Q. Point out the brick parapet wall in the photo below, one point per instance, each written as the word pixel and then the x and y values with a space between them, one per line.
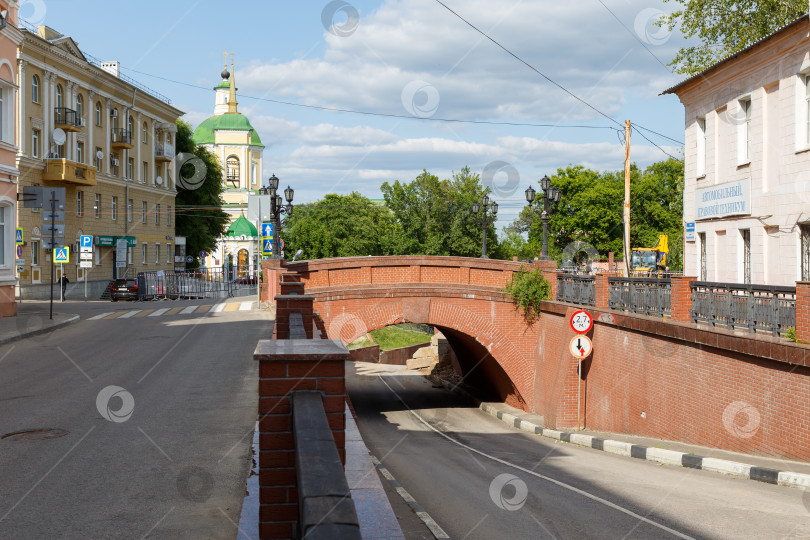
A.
pixel 803 310
pixel 602 290
pixel 681 298
pixel 284 367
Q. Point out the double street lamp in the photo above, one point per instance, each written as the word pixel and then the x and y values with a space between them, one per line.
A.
pixel 551 196
pixel 277 207
pixel 485 206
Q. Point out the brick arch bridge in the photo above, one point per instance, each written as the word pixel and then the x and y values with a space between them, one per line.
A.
pixel 461 296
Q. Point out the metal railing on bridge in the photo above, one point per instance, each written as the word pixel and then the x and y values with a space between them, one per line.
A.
pixel 198 283
pixel 769 308
pixel 646 296
pixel 576 289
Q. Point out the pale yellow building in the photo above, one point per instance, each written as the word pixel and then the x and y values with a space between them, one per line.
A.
pixel 230 136
pixel 110 142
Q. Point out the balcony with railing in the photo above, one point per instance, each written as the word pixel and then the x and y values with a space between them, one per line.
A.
pixel 121 138
pixel 65 170
pixel 67 119
pixel 164 152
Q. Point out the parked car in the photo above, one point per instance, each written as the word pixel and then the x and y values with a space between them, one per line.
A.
pixel 124 289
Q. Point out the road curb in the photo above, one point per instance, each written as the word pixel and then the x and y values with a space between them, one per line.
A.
pixel 44 330
pixel 734 469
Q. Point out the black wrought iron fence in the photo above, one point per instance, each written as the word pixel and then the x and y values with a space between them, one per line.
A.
pixel 576 289
pixel 198 283
pixel 647 296
pixel 769 308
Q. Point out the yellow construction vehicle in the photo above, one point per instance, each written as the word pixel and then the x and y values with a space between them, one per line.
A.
pixel 650 262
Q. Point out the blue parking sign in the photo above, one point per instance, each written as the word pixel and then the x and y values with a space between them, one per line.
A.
pixel 86 241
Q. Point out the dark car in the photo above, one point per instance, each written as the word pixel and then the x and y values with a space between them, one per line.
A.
pixel 124 289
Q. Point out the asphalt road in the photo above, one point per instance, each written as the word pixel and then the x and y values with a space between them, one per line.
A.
pixel 478 478
pixel 158 410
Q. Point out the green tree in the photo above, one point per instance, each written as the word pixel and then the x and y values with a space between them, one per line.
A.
pixel 341 226
pixel 200 217
pixel 436 215
pixel 725 27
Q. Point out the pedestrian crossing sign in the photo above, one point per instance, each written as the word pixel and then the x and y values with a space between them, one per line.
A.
pixel 61 255
pixel 267 246
pixel 19 237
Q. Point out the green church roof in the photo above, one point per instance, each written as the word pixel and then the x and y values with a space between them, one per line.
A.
pixel 204 134
pixel 223 84
pixel 242 227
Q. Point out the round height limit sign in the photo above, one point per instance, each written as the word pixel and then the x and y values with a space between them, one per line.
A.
pixel 581 322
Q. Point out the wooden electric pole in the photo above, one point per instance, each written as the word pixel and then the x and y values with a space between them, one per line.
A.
pixel 627 198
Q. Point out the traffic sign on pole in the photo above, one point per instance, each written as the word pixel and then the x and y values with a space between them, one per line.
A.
pixel 61 255
pixel 19 237
pixel 86 242
pixel 581 322
pixel 267 230
pixel 267 246
pixel 580 346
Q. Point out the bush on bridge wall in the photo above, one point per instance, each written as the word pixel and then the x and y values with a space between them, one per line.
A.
pixel 527 289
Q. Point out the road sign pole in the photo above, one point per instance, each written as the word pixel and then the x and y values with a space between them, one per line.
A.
pixel 579 391
pixel 85 283
pixel 61 285
pixel 53 264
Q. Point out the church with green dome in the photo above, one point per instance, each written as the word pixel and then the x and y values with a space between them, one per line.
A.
pixel 229 135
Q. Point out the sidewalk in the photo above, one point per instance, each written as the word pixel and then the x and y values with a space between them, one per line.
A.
pixel 770 470
pixel 33 318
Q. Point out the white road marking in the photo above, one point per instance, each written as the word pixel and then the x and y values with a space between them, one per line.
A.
pixel 187 310
pixel 245 306
pixel 159 312
pixel 216 308
pixel 100 316
pixel 538 475
pixel 130 314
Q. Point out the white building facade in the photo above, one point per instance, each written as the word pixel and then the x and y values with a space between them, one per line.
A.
pixel 747 163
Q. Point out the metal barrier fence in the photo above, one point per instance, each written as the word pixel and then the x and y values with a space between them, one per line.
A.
pixel 739 305
pixel 199 283
pixel 576 289
pixel 648 296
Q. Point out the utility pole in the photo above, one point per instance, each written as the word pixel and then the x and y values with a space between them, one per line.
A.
pixel 627 198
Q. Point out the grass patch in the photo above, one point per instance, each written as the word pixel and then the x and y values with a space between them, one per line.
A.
pixel 391 337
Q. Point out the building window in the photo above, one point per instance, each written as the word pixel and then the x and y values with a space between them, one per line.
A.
pixel 746 251
pixel 80 152
pixel 129 126
pixel 157 253
pixel 143 133
pixel 34 143
pixel 3 230
pixel 97 160
pixel 745 135
pixel 143 212
pixel 143 253
pixel 35 89
pixel 129 210
pixel 130 167
pixel 157 214
pixel 79 203
pixel 114 162
pixel 232 171
pixel 98 113
pixel 804 230
pixel 35 253
pixel 3 130
pixel 60 101
pixel 701 147
pixel 168 253
pixel 97 205
pixel 79 107
pixel 143 171
pixel 114 208
pixel 169 216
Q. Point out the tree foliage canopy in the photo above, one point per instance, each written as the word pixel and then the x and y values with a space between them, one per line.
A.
pixel 725 27
pixel 200 217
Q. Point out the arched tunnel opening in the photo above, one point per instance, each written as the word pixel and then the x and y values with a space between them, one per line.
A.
pixel 463 360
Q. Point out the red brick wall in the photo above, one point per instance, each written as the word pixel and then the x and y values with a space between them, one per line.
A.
pixel 803 310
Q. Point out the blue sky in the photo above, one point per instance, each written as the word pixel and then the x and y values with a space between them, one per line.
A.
pixel 408 58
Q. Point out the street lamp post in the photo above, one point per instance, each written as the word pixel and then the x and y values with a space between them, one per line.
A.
pixel 484 206
pixel 277 208
pixel 551 196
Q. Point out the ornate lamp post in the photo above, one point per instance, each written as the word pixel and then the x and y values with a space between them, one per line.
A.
pixel 485 206
pixel 551 196
pixel 277 208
